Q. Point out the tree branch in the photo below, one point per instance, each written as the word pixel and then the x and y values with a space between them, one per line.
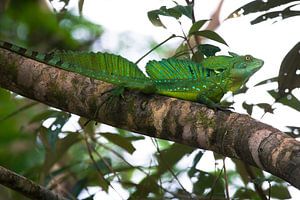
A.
pixel 230 134
pixel 26 186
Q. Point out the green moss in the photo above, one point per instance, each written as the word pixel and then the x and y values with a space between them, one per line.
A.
pixel 58 95
pixel 205 121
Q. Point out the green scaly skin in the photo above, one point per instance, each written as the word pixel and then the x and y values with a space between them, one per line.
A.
pixel 204 82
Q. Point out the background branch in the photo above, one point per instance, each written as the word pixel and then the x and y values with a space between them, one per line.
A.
pixel 26 186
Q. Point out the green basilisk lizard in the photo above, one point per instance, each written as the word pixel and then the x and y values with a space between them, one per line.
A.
pixel 204 82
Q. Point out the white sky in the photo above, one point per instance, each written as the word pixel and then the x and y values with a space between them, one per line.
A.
pixel 268 41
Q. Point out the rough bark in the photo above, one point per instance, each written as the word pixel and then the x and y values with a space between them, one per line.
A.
pixel 230 134
pixel 26 186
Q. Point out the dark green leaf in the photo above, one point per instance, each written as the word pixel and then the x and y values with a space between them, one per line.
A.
pixel 289 100
pixel 283 14
pixel 245 193
pixel 175 12
pixel 266 107
pixel 257 6
pixel 197 26
pixel 44 115
pixel 146 186
pixel 62 146
pixel 120 141
pixel 80 6
pixel 104 164
pixel 208 49
pixel 182 52
pixel 153 16
pixel 270 80
pixel 211 35
pixel 204 182
pixel 185 10
pixel 56 127
pixel 100 168
pixel 241 170
pixel 79 186
pixel 289 73
pixel 248 108
pixel 169 157
pixel 197 158
pixel 280 192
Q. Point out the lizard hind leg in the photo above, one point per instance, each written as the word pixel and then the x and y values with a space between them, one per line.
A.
pixel 211 104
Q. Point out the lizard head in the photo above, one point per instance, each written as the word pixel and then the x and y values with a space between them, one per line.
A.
pixel 242 68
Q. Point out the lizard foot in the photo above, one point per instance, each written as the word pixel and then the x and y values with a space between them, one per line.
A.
pixel 113 96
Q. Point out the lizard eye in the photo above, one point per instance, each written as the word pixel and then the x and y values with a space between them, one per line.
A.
pixel 248 57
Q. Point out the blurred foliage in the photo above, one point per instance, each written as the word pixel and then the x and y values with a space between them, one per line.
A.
pixel 37 141
pixel 44 30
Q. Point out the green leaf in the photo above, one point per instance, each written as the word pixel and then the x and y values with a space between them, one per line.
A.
pixel 193 169
pixel 280 192
pixel 79 186
pixel 289 100
pixel 56 128
pixel 62 146
pixel 175 12
pixel 210 35
pixel 100 168
pixel 245 193
pixel 197 57
pixel 120 141
pixel 197 158
pixel 146 186
pixel 153 16
pixel 196 26
pixel 169 157
pixel 282 14
pixel 182 52
pixel 266 107
pixel 289 73
pixel 41 117
pixel 208 49
pixel 80 6
pixel 258 6
pixel 270 80
pixel 248 108
pixel 185 10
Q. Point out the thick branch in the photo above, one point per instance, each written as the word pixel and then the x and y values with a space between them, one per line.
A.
pixel 26 186
pixel 231 134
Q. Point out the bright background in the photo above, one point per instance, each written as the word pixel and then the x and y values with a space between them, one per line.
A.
pixel 126 23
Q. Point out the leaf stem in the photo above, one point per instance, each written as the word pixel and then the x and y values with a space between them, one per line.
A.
pixel 166 40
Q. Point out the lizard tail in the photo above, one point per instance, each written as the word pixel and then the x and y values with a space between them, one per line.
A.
pixel 102 66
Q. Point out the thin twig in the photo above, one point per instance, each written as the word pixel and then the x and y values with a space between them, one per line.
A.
pixel 166 40
pixel 215 182
pixel 154 140
pixel 104 161
pixel 101 175
pixel 226 180
pixel 187 40
pixel 136 167
pixel 18 111
pixel 257 187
